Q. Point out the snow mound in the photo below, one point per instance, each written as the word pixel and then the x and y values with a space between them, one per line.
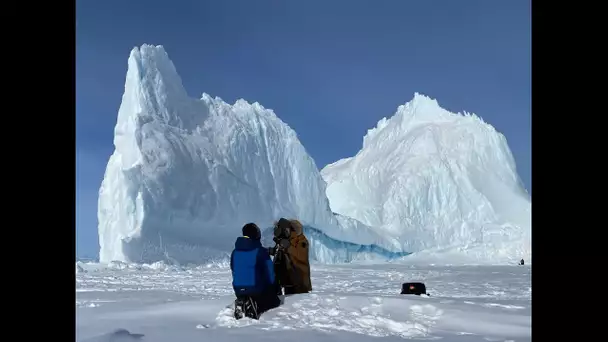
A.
pixel 367 316
pixel 436 182
pixel 186 174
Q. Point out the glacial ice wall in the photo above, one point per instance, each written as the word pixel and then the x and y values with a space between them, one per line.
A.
pixel 186 173
pixel 436 181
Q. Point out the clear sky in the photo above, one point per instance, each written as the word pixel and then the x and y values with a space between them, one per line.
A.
pixel 329 69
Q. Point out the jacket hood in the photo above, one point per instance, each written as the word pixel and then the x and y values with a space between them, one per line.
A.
pixel 296 226
pixel 244 243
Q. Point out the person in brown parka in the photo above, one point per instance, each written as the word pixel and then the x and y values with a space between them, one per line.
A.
pixel 293 270
pixel 299 253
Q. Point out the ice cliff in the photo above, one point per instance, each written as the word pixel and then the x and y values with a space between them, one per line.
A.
pixel 186 174
pixel 437 182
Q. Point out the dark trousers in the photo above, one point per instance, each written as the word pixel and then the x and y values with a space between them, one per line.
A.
pixel 289 290
pixel 266 300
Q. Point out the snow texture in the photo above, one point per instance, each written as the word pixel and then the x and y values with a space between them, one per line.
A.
pixel 439 183
pixel 355 302
pixel 187 174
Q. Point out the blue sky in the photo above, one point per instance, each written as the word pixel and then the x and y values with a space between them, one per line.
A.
pixel 340 64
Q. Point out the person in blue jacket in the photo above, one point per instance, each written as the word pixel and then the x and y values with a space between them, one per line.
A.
pixel 253 278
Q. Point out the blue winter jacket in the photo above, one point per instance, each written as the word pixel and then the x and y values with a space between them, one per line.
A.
pixel 251 266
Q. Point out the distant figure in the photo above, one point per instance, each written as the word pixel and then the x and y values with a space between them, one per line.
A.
pixel 521 262
pixel 252 275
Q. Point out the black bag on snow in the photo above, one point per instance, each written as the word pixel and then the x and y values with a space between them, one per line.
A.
pixel 413 288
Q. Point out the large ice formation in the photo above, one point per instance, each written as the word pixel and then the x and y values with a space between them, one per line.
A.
pixel 186 174
pixel 436 181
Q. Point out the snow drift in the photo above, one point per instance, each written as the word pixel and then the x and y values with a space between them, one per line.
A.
pixel 436 182
pixel 186 174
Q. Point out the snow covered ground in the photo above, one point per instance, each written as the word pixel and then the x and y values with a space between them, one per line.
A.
pixel 354 302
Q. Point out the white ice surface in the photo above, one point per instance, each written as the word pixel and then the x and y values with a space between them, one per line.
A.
pixel 187 174
pixel 436 181
pixel 348 303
